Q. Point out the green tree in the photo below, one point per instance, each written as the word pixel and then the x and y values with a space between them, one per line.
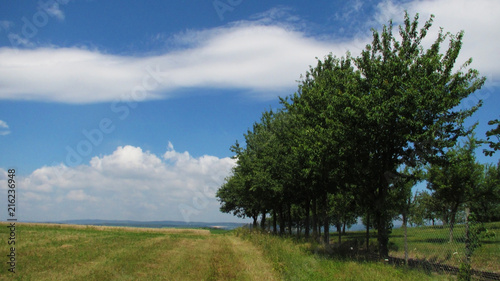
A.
pixel 456 181
pixel 495 132
pixel 343 211
pixel 323 111
pixel 424 209
pixel 411 97
pixel 486 201
pixel 353 124
pixel 236 195
pixel 236 199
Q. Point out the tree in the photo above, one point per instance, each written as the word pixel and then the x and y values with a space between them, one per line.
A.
pixel 425 209
pixel 343 211
pixel 236 199
pixel 456 181
pixel 410 97
pixel 403 190
pixel 235 195
pixel 321 141
pixel 485 204
pixel 493 133
pixel 354 123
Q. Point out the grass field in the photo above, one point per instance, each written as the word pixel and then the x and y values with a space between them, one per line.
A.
pixel 61 252
pixel 305 261
pixel 56 252
pixel 432 243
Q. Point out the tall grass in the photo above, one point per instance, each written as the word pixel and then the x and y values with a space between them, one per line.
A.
pixel 303 261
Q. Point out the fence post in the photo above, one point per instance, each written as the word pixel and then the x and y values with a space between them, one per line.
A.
pixel 465 268
pixel 405 226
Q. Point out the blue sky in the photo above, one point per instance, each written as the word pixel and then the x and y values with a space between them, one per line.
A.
pixel 127 109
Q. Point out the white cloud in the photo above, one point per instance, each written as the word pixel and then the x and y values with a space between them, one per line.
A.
pixel 263 57
pixel 3 124
pixel 479 19
pixel 79 195
pixel 4 128
pixel 128 184
pixel 255 58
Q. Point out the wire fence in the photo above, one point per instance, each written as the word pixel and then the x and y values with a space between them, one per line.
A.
pixel 467 249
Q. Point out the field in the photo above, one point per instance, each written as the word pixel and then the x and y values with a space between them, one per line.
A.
pixel 61 252
pixel 56 252
pixel 432 244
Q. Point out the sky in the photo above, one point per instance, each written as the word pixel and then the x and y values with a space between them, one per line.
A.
pixel 127 109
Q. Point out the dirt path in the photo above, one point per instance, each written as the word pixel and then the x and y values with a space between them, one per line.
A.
pixel 235 259
pixel 251 262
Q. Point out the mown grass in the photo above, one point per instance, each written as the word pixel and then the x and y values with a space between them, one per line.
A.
pixel 60 252
pixel 295 260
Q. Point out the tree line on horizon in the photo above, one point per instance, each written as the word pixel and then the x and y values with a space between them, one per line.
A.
pixel 359 133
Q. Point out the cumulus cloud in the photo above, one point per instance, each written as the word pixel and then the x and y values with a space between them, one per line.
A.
pixel 4 128
pixel 79 195
pixel 127 184
pixel 478 19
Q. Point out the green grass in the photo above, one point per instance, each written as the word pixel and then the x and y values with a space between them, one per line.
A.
pixel 57 252
pixel 432 243
pixel 303 261
pixel 60 252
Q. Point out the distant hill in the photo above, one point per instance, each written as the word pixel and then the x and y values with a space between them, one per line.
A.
pixel 153 224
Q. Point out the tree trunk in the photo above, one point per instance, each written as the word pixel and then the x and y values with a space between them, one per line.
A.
pixel 254 217
pixel 314 220
pixel 382 234
pixel 339 230
pixel 343 228
pixel 326 222
pixel 367 231
pixel 452 221
pixel 468 250
pixel 263 220
pixel 275 220
pixel 306 223
pixel 405 229
pixel 382 220
pixel 282 221
pixel 289 219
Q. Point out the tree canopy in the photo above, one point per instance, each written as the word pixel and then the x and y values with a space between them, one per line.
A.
pixel 342 140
